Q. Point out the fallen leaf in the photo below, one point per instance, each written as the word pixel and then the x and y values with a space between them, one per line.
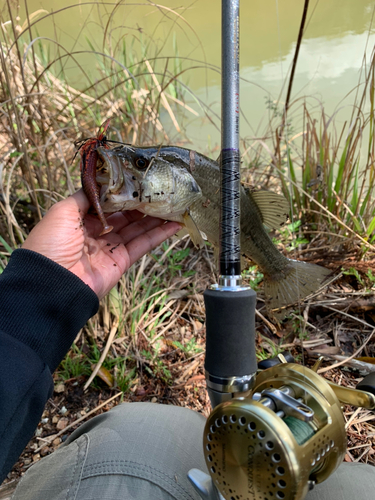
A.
pixel 106 376
pixel 197 324
pixel 59 388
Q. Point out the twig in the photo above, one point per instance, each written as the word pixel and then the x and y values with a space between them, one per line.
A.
pixel 369 417
pixel 350 316
pixel 361 366
pixel 307 344
pixel 359 446
pixel 355 354
pixel 187 371
pixel 356 304
pixel 198 355
pixel 350 421
pixel 364 453
pixel 111 336
pixel 295 58
pixel 270 325
pixel 170 323
pixel 153 320
pixel 188 108
pixel 163 98
pixel 79 420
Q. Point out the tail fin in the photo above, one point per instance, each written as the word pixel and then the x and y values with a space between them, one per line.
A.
pixel 298 280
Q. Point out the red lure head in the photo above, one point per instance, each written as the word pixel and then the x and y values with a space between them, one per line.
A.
pixel 102 130
pixel 86 145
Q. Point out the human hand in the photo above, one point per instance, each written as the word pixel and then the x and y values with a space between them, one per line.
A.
pixel 70 237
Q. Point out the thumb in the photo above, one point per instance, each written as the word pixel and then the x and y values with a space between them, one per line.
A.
pixel 80 200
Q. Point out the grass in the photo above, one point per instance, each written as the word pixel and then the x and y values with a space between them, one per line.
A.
pixel 327 173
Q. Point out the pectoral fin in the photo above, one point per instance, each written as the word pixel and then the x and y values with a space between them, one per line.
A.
pixel 194 232
pixel 273 208
pixel 181 233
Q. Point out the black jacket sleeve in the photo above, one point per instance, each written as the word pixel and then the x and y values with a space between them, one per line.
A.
pixel 42 308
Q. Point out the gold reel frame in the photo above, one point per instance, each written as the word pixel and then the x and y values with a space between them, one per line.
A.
pixel 252 453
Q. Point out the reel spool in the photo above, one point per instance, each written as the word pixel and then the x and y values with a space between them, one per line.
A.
pixel 281 439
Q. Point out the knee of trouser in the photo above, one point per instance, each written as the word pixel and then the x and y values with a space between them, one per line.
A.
pixel 139 443
pixel 127 418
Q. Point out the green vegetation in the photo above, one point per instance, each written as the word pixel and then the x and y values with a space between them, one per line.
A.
pixel 253 277
pixel 190 348
pixel 291 235
pixel 365 281
pixel 326 172
pixel 74 365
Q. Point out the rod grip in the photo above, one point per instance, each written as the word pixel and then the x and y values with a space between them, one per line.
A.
pixel 230 332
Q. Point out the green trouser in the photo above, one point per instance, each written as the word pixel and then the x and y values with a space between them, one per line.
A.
pixel 143 451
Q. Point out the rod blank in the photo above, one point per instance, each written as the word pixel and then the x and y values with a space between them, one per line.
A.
pixel 230 254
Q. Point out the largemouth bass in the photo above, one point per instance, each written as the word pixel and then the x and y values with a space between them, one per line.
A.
pixel 178 184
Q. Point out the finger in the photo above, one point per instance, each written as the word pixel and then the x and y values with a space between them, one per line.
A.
pixel 114 240
pixel 80 200
pixel 139 228
pixel 77 202
pixel 144 243
pixel 118 220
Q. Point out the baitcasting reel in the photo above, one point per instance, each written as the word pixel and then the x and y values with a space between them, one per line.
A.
pixel 286 435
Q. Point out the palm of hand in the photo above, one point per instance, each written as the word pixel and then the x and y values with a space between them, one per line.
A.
pixel 69 237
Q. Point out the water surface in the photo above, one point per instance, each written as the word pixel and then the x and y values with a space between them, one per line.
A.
pixel 337 37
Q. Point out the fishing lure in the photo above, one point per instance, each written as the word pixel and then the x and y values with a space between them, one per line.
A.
pixel 89 158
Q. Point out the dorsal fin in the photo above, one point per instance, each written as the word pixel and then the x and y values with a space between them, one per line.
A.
pixel 273 208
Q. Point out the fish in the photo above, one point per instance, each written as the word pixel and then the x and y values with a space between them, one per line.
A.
pixel 182 185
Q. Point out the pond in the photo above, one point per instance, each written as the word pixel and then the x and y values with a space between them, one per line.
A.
pixel 337 37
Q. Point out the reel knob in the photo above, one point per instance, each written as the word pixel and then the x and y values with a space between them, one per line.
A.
pixel 279 441
pixel 368 384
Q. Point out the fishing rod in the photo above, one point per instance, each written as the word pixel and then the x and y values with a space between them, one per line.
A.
pixel 230 362
pixel 272 434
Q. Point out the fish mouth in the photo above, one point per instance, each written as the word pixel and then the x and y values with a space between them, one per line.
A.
pixel 111 171
pixel 119 189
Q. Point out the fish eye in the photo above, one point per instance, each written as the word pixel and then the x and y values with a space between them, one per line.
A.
pixel 141 163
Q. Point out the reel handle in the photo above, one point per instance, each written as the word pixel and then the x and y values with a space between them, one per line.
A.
pixel 368 384
pixel 354 397
pixel 364 397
